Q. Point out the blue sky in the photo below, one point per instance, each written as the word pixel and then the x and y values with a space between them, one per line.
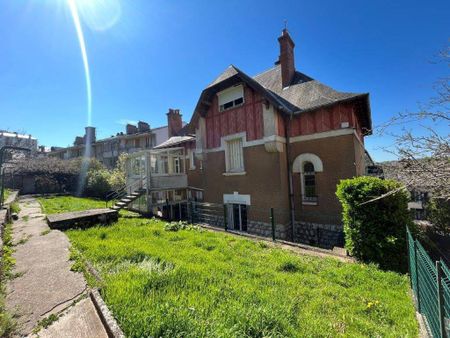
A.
pixel 162 53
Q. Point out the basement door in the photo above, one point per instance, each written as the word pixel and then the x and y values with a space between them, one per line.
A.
pixel 237 216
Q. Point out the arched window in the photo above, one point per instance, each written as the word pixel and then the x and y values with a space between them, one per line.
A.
pixel 307 165
pixel 309 183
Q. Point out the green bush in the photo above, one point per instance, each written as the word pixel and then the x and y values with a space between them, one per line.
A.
pixel 98 183
pixel 375 231
pixel 439 215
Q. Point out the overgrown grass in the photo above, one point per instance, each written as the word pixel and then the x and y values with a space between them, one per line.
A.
pixel 7 324
pixel 196 283
pixel 6 194
pixel 60 204
pixel 15 208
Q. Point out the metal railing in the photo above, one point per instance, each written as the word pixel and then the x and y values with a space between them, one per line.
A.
pixel 430 282
pixel 124 190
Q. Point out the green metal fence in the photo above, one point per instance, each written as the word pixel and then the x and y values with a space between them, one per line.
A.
pixel 430 282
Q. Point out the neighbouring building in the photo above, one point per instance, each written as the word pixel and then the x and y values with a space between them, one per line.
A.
pixel 419 194
pixel 135 138
pixel 280 140
pixel 26 141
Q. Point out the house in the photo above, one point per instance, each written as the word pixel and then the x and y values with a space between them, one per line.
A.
pixel 15 139
pixel 136 138
pixel 280 140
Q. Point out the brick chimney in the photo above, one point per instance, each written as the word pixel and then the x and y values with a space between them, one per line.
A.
pixel 79 140
pixel 143 126
pixel 131 129
pixel 286 59
pixel 174 122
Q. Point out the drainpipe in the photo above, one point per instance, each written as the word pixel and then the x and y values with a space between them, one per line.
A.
pixel 287 130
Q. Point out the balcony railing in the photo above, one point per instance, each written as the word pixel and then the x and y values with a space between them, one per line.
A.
pixel 173 181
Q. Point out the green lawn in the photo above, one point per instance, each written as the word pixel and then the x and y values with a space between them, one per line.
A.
pixel 196 283
pixel 60 204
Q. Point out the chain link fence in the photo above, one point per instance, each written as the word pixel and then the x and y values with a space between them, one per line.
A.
pixel 430 282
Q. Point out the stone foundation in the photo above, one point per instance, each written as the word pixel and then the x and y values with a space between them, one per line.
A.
pixel 213 220
pixel 322 235
pixel 265 229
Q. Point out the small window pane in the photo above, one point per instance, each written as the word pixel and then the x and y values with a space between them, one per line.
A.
pixel 239 101
pixel 308 167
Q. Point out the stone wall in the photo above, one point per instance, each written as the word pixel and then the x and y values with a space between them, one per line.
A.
pixel 322 235
pixel 210 219
pixel 265 229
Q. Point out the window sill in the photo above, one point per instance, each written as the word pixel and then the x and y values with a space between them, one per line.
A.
pixel 193 168
pixel 240 173
pixel 309 203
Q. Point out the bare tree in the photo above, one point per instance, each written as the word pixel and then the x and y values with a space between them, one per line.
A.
pixel 424 152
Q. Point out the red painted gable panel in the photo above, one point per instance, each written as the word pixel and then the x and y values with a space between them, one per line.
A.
pixel 250 122
pixel 323 120
pixel 247 118
pixel 259 128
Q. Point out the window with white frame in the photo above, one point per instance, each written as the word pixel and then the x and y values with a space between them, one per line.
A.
pixel 231 97
pixel 177 165
pixel 309 183
pixel 234 155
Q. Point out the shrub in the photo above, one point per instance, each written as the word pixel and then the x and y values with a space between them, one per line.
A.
pixel 375 231
pixel 118 176
pixel 180 225
pixel 98 183
pixel 439 215
pixel 116 179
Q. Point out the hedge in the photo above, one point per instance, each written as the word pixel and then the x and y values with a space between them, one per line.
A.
pixel 375 229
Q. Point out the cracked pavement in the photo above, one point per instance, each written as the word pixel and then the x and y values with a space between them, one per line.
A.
pixel 43 283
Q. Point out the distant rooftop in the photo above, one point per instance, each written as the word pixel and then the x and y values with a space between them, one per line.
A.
pixel 13 134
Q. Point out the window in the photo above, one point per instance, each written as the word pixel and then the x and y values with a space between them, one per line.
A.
pixel 177 165
pixel 191 159
pixel 148 142
pixel 231 97
pixel 309 183
pixel 199 196
pixel 164 165
pixel 234 156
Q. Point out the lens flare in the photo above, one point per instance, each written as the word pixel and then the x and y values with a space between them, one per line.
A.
pixel 99 15
pixel 79 29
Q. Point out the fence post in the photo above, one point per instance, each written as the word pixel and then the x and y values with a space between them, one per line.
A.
pixel 272 221
pixel 169 214
pixel 440 295
pixel 225 217
pixel 409 258
pixel 417 278
pixel 189 211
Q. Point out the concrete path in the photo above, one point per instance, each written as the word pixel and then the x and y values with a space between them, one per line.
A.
pixel 44 284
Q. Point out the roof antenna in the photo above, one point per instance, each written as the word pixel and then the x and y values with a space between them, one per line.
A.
pixel 285 24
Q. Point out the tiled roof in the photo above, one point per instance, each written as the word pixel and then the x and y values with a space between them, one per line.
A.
pixel 304 92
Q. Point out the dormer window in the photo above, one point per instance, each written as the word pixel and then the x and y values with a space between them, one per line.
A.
pixel 231 97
